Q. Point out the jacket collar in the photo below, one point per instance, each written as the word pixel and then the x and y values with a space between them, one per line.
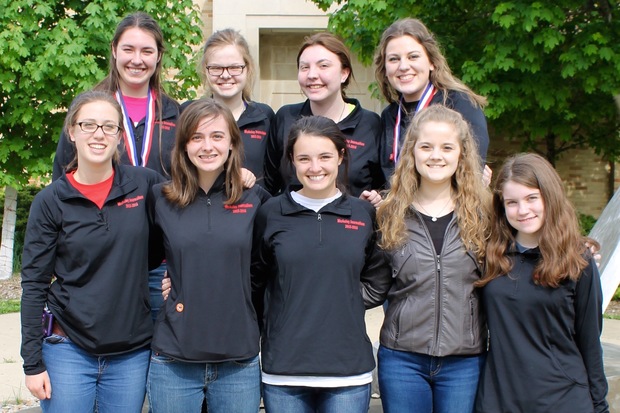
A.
pixel 341 206
pixel 350 122
pixel 122 184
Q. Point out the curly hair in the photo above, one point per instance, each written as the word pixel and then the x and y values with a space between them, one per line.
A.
pixel 441 77
pixel 472 200
pixel 561 244
pixel 184 186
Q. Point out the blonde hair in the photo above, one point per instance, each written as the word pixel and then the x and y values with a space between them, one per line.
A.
pixel 472 200
pixel 222 38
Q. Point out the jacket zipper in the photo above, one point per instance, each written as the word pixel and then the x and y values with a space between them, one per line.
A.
pixel 320 220
pixel 437 301
pixel 471 320
pixel 209 214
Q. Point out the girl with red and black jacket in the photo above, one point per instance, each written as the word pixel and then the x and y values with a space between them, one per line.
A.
pixel 86 259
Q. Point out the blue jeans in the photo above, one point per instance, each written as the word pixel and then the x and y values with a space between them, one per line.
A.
pixel 156 299
pixel 413 382
pixel 301 399
pixel 80 381
pixel 176 386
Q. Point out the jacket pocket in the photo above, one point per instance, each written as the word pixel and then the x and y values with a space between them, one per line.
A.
pixel 474 322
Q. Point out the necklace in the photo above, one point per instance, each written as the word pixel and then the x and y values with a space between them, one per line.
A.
pixel 434 217
pixel 344 106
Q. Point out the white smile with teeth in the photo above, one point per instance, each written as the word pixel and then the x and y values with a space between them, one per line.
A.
pixel 97 146
pixel 135 71
pixel 316 177
pixel 405 78
pixel 315 86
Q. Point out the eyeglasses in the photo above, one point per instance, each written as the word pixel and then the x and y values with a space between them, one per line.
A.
pixel 234 70
pixel 108 128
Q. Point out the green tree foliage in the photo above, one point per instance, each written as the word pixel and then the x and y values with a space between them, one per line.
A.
pixel 549 69
pixel 51 51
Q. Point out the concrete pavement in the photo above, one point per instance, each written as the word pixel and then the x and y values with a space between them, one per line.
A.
pixel 12 386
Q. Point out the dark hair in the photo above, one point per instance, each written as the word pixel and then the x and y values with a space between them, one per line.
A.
pixel 228 37
pixel 111 83
pixel 334 45
pixel 441 77
pixel 322 127
pixel 72 114
pixel 184 186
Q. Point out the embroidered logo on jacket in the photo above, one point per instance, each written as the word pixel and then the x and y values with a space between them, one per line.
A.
pixel 164 125
pixel 351 144
pixel 351 224
pixel 239 208
pixel 130 202
pixel 255 134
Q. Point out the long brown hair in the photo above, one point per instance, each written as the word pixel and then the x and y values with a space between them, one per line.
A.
pixel 111 83
pixel 441 77
pixel 184 186
pixel 228 37
pixel 561 244
pixel 332 43
pixel 472 201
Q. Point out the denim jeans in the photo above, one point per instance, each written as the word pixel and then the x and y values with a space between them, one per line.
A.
pixel 413 382
pixel 80 381
pixel 155 297
pixel 301 399
pixel 176 386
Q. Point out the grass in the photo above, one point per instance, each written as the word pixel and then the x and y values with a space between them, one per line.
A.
pixel 612 316
pixel 9 306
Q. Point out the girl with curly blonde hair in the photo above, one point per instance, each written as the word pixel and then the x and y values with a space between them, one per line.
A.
pixel 434 224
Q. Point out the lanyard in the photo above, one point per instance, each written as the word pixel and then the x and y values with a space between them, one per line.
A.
pixel 149 126
pixel 425 100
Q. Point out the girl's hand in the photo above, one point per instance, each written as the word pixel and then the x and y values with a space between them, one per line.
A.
pixel 166 285
pixel 249 179
pixel 39 385
pixel 373 197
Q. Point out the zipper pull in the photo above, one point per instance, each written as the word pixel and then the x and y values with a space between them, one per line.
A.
pixel 318 217
pixel 438 262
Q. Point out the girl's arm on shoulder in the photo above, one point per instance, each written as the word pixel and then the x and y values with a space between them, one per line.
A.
pixel 588 327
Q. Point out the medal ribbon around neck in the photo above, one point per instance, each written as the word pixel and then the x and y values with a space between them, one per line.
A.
pixel 424 101
pixel 149 126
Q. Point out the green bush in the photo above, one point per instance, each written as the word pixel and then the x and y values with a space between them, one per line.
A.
pixel 586 222
pixel 24 200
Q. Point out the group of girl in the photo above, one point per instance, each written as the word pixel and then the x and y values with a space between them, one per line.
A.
pixel 291 275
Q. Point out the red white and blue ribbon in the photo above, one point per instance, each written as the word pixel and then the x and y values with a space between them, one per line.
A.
pixel 424 101
pixel 149 126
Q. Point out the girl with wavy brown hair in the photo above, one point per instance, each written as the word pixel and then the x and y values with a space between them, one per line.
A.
pixel 543 300
pixel 412 73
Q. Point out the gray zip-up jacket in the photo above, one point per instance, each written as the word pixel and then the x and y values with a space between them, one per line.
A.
pixel 433 306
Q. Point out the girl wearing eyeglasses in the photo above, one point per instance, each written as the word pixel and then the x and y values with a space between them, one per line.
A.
pixel 228 71
pixel 88 232
pixel 149 114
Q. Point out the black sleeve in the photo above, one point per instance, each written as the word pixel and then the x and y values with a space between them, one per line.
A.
pixel 262 264
pixel 38 262
pixel 376 171
pixel 478 122
pixel 376 277
pixel 64 155
pixel 588 328
pixel 273 156
pixel 156 238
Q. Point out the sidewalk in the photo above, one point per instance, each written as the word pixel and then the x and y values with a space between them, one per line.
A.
pixel 12 386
